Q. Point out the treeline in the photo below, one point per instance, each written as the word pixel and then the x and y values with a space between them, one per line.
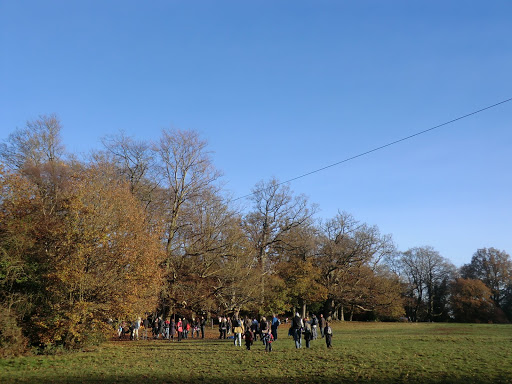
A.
pixel 145 227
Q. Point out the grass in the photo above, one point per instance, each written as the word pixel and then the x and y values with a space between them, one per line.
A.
pixel 362 352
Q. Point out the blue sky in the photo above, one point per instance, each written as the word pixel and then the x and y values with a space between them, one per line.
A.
pixel 281 88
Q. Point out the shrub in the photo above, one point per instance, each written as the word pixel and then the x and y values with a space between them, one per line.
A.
pixel 12 341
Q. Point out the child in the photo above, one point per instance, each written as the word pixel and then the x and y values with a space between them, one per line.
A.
pixel 328 335
pixel 268 338
pixel 308 334
pixel 248 338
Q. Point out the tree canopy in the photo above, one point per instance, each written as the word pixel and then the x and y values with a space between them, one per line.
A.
pixel 143 228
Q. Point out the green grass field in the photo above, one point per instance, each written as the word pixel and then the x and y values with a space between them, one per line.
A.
pixel 362 352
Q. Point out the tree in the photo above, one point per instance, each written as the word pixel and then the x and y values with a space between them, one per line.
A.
pixel 425 271
pixel 298 268
pixel 471 302
pixel 89 259
pixel 188 177
pixel 37 144
pixel 350 253
pixel 494 268
pixel 135 161
pixel 275 213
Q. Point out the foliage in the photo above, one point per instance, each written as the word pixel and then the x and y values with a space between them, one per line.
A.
pixel 494 268
pixel 12 341
pixel 145 228
pixel 471 303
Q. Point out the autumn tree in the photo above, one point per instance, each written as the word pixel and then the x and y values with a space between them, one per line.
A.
pixel 73 245
pixel 350 253
pixel 471 302
pixel 494 268
pixel 90 260
pixel 298 269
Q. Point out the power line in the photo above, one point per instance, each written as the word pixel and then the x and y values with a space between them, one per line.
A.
pixel 383 146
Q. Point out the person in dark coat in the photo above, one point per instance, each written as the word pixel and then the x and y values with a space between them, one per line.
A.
pixel 308 334
pixel 297 326
pixel 248 335
pixel 202 324
pixel 322 325
pixel 328 335
pixel 274 325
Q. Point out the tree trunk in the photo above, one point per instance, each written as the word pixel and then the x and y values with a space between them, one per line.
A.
pixel 329 308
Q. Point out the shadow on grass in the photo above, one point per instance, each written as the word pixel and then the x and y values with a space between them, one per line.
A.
pixel 238 378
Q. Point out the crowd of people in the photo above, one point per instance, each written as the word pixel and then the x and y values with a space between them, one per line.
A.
pixel 235 328
pixel 308 328
pixel 169 328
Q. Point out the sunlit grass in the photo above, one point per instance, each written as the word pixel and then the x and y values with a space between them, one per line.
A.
pixel 364 352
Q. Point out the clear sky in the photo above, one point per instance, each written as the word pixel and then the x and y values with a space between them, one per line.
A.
pixel 282 88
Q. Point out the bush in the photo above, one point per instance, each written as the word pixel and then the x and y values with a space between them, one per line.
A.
pixel 12 341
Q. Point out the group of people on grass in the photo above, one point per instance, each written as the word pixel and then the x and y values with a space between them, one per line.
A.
pixel 166 329
pixel 246 329
pixel 308 328
pixel 249 330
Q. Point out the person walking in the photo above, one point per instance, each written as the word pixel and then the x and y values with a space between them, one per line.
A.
pixel 297 326
pixel 268 340
pixel 167 325
pixel 322 325
pixel 155 328
pixel 186 327
pixel 136 327
pixel 196 328
pixel 172 329
pixel 308 333
pixel 255 328
pixel 238 330
pixel 145 329
pixel 275 324
pixel 264 329
pixel 314 325
pixel 161 328
pixel 180 329
pixel 328 335
pixel 223 328
pixel 249 336
pixel 202 325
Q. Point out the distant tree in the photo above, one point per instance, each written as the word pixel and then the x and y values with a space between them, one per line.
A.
pixel 494 268
pixel 135 161
pixel 30 147
pixel 471 302
pixel 425 272
pixel 349 256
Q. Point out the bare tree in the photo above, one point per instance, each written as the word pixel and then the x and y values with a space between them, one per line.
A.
pixel 187 177
pixel 186 170
pixel 275 212
pixel 135 161
pixel 36 144
pixel 425 270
